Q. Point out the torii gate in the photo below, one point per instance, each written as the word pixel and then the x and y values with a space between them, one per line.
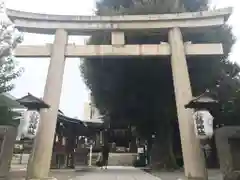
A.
pixel 175 25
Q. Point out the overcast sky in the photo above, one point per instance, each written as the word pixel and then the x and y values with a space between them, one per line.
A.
pixel 74 92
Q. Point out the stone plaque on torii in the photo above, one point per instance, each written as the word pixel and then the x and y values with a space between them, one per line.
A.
pixel 174 25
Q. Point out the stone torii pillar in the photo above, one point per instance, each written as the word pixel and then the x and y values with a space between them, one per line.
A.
pixel 39 162
pixel 194 163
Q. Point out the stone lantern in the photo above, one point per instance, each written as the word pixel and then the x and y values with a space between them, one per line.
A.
pixel 203 120
pixel 32 116
pixel 8 133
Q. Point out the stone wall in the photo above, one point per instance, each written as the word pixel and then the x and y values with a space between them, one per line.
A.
pixel 228 143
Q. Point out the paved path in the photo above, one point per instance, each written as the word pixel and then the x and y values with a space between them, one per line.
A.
pixel 178 175
pixel 113 173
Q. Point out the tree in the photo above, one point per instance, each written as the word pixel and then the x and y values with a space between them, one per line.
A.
pixel 9 39
pixel 227 91
pixel 140 90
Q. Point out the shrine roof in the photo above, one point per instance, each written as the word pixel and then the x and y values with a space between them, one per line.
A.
pixel 63 118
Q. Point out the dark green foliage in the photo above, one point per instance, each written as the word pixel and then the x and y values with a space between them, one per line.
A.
pixel 8 72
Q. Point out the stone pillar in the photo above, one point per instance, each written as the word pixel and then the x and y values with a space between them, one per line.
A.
pixel 98 144
pixel 194 163
pixel 39 162
pixel 8 136
pixel 118 38
pixel 101 137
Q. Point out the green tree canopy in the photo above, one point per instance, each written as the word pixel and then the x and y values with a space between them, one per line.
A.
pixel 9 39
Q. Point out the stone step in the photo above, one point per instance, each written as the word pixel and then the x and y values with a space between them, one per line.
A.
pixel 118 159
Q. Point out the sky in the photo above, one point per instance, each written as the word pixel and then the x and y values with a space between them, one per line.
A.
pixel 74 92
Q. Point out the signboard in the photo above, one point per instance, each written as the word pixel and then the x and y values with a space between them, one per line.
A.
pixel 203 122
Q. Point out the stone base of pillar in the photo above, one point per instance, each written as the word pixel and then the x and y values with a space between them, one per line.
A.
pixel 47 178
pixel 196 178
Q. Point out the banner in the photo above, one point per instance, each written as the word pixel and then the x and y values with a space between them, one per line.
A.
pixel 32 118
pixel 203 123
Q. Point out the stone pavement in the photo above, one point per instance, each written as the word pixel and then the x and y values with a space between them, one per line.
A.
pixel 213 174
pixel 113 173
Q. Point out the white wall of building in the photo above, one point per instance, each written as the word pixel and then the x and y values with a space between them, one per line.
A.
pixel 91 113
